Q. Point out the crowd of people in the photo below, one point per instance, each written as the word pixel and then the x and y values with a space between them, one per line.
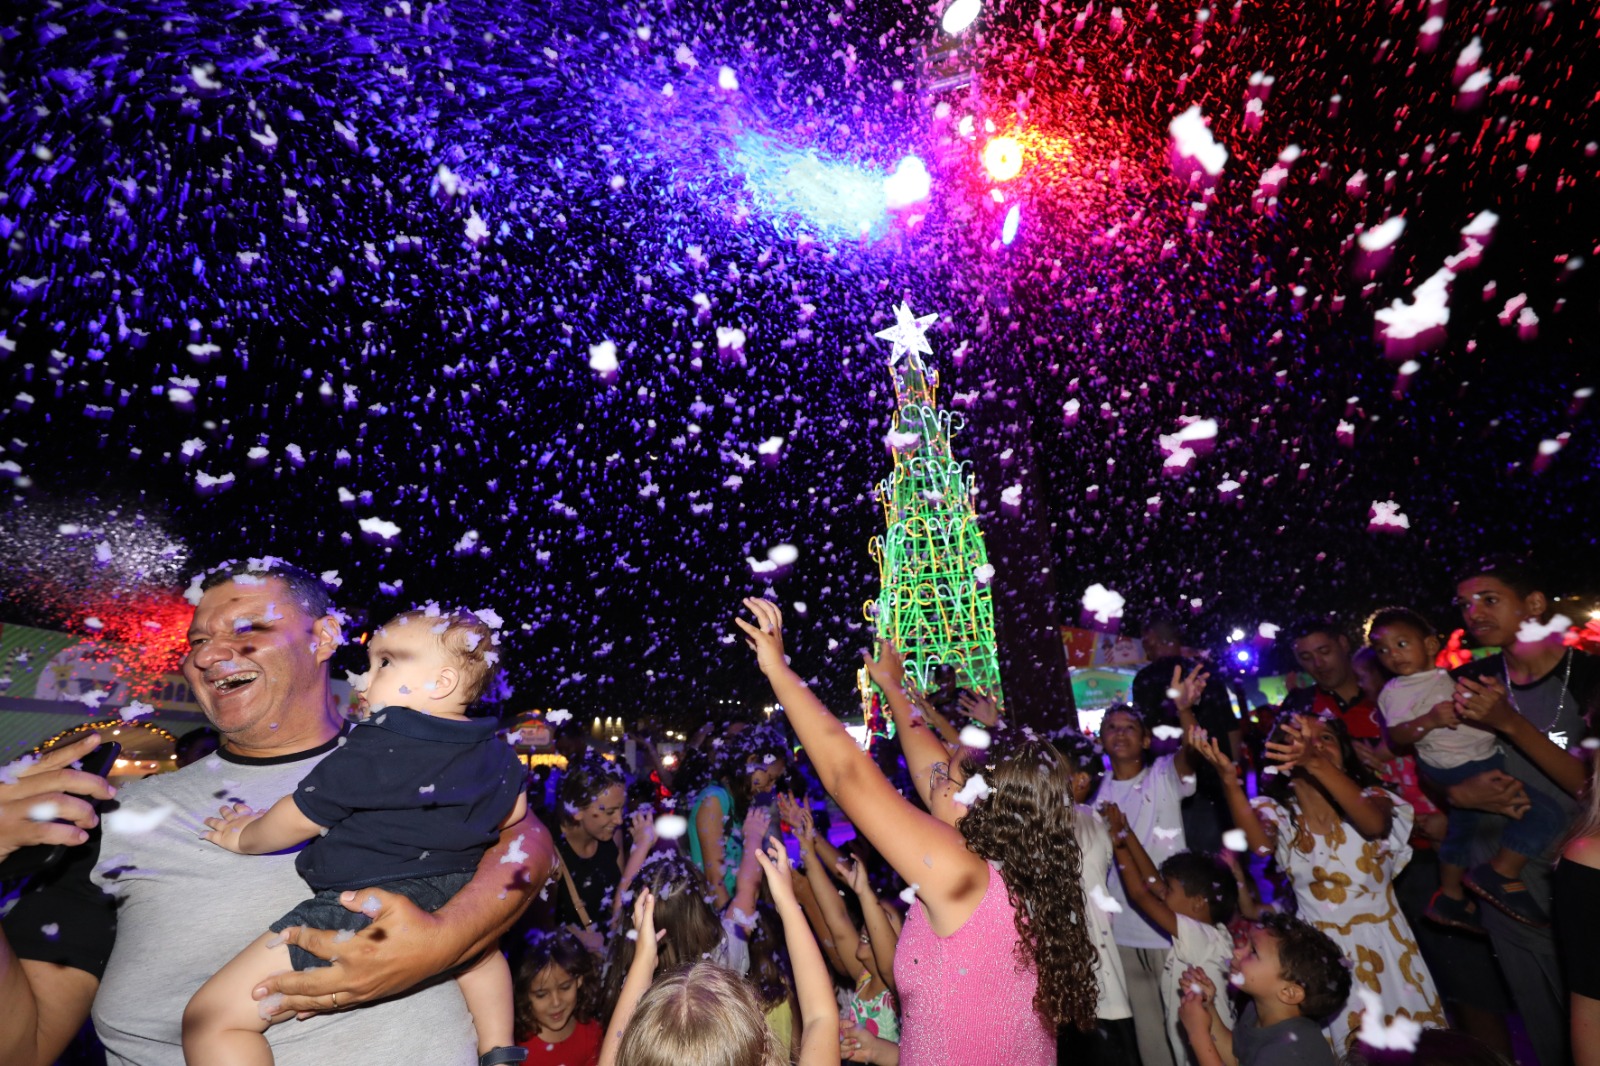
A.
pixel 1393 865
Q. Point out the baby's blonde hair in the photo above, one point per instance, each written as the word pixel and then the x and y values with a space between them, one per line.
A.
pixel 704 1015
pixel 466 639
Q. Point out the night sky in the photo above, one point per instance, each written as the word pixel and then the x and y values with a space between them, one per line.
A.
pixel 568 312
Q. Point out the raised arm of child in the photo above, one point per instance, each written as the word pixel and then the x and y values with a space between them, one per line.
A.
pixel 1369 814
pixel 1261 838
pixel 840 934
pixel 884 939
pixel 1189 690
pixel 747 882
pixel 1249 900
pixel 642 828
pixel 248 832
pixel 1139 875
pixel 819 1011
pixel 950 879
pixel 1211 1040
pixel 640 975
pixel 708 828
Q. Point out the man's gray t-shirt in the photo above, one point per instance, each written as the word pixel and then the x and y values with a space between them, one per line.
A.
pixel 187 907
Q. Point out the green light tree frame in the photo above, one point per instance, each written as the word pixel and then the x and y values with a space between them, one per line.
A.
pixel 934 602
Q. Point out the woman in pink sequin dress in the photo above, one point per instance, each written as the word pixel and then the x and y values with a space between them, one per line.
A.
pixel 996 952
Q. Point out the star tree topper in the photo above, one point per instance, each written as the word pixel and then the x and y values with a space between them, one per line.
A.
pixel 907 333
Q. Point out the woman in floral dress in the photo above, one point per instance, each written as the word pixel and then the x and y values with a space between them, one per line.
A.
pixel 1341 838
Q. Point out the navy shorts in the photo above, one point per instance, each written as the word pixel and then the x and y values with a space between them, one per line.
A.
pixel 324 911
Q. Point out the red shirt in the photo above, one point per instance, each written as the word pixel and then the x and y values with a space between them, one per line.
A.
pixel 1360 715
pixel 582 1048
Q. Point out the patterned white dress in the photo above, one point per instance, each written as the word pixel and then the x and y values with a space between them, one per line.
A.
pixel 1344 885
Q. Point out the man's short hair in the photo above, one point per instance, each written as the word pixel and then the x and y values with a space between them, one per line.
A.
pixel 307 588
pixel 1309 626
pixel 469 642
pixel 1515 573
pixel 1384 617
pixel 1309 958
pixel 1205 877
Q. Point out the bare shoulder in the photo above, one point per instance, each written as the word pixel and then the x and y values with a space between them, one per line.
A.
pixel 1585 851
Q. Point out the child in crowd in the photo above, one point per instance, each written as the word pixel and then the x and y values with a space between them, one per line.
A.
pixel 705 1013
pixel 556 994
pixel 1114 1041
pixel 410 802
pixel 862 953
pixel 1341 838
pixel 1294 977
pixel 1150 792
pixel 689 925
pixel 1418 707
pixel 1191 899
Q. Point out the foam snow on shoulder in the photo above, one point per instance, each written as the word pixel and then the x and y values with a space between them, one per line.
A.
pixel 1191 139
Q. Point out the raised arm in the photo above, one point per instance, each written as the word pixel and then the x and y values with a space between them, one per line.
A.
pixel 925 753
pixel 882 934
pixel 1189 690
pixel 405 945
pixel 713 850
pixel 747 882
pixel 640 975
pixel 837 932
pixel 925 852
pixel 942 727
pixel 1485 702
pixel 642 829
pixel 1139 875
pixel 1261 838
pixel 819 1011
pixel 1369 814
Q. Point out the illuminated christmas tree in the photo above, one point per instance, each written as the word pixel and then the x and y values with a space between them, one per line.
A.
pixel 934 603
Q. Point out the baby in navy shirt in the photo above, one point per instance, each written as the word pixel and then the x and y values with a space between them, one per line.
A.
pixel 409 803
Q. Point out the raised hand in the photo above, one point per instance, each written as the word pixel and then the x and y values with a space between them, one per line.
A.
pixel 765 635
pixel 1190 688
pixel 1116 822
pixel 644 926
pixel 1293 751
pixel 224 830
pixel 788 810
pixel 853 872
pixel 756 824
pixel 981 707
pixel 780 876
pixel 1211 751
pixel 888 670
pixel 642 828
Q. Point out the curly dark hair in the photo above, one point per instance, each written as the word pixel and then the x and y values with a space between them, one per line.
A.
pixel 562 949
pixel 1309 958
pixel 1022 825
pixel 1280 787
